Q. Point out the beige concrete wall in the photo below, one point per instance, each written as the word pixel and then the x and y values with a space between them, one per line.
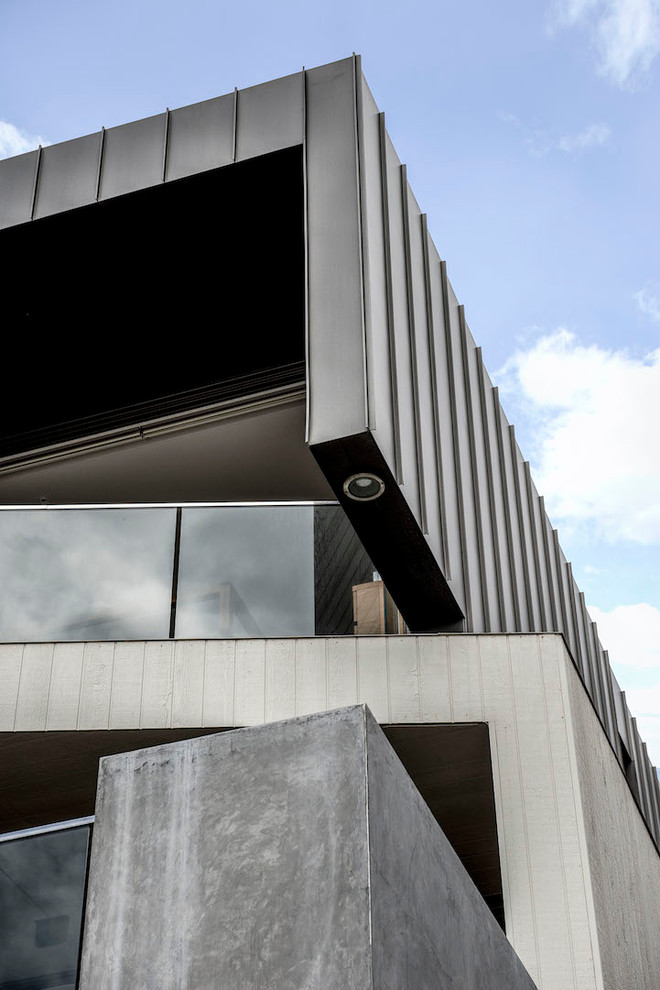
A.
pixel 624 863
pixel 520 684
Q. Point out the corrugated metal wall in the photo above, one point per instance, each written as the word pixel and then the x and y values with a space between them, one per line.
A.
pixel 438 421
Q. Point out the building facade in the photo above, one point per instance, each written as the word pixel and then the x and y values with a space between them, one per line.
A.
pixel 277 480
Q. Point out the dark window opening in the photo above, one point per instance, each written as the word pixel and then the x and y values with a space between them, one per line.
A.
pixel 161 298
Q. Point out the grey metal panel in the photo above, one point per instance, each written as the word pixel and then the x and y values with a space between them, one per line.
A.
pixel 540 568
pixel 598 695
pixel 497 550
pixel 270 116
pixel 399 342
pixel 654 785
pixel 620 710
pixel 400 315
pixel 68 175
pixel 551 567
pixel 421 358
pixel 580 655
pixel 413 302
pixel 514 461
pixel 200 137
pixel 438 469
pixel 133 156
pixel 379 325
pixel 389 302
pixel 452 505
pixel 17 186
pixel 334 256
pixel 520 496
pixel 455 341
pixel 472 407
pixel 568 623
pixel 501 430
pixel 651 778
pixel 612 689
pixel 607 696
pixel 589 652
pixel 642 774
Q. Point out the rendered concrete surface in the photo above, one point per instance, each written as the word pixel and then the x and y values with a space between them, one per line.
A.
pixel 291 856
pixel 431 926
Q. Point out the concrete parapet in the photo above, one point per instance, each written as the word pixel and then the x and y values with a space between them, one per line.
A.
pixel 291 856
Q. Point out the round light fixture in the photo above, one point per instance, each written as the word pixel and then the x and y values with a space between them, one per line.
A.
pixel 364 487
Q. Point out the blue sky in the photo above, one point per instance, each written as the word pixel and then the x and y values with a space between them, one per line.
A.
pixel 532 138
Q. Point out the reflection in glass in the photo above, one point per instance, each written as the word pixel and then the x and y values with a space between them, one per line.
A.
pixel 246 571
pixel 70 574
pixel 42 887
pixel 243 571
pixel 340 563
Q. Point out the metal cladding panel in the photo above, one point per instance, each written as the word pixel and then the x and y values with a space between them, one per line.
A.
pixel 269 117
pixel 541 564
pixel 18 178
pixel 437 420
pixel 200 137
pixel 381 361
pixel 472 550
pixel 133 156
pixel 450 507
pixel 404 413
pixel 421 369
pixel 336 351
pixel 504 607
pixel 488 571
pixel 68 175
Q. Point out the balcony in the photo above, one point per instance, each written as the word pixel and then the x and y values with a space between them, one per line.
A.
pixel 218 571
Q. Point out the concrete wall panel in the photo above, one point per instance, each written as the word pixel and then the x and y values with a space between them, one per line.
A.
pixel 231 861
pixel 625 874
pixel 515 683
pixel 430 927
pixel 327 871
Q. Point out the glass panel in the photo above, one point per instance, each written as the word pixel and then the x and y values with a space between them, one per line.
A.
pixel 246 571
pixel 42 888
pixel 340 563
pixel 86 574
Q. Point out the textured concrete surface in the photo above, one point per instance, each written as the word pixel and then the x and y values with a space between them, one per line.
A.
pixel 624 864
pixel 292 856
pixel 233 861
pixel 517 684
pixel 431 927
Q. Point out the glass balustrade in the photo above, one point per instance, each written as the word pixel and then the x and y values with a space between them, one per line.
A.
pixel 248 570
pixel 42 892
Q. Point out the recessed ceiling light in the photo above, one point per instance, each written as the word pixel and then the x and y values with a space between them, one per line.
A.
pixel 364 487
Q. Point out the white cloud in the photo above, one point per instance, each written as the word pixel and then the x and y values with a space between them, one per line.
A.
pixel 540 141
pixel 596 420
pixel 16 142
pixel 591 137
pixel 628 38
pixel 648 300
pixel 625 33
pixel 569 12
pixel 631 635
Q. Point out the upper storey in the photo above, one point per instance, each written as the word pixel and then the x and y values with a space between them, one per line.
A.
pixel 240 300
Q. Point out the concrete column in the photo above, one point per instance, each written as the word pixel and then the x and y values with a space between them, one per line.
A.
pixel 291 856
